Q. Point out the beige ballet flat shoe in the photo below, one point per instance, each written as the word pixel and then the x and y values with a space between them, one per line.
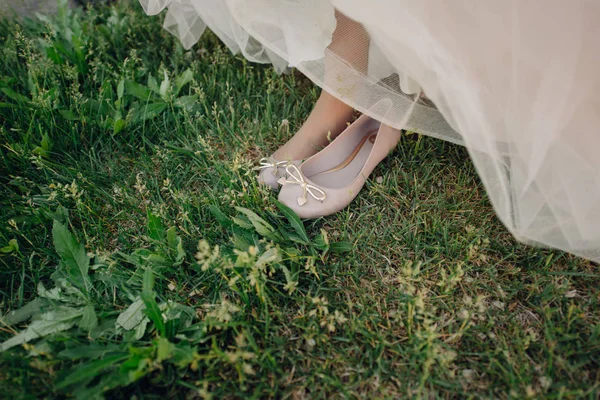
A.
pixel 328 181
pixel 272 170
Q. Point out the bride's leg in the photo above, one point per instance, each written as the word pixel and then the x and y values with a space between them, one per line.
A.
pixel 330 115
pixel 350 42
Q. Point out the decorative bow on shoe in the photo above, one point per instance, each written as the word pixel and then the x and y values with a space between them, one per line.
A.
pixel 270 162
pixel 307 188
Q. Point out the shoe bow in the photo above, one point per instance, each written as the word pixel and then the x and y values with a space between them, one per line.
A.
pixel 298 179
pixel 270 162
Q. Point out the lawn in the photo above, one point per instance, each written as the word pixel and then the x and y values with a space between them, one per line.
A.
pixel 139 256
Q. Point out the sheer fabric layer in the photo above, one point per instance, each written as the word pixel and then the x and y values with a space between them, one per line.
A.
pixel 518 79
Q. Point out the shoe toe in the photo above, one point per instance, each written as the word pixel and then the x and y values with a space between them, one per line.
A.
pixel 291 196
pixel 268 178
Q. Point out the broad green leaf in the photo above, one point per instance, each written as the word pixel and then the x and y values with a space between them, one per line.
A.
pixel 91 351
pixel 53 294
pixel 242 222
pixel 68 293
pixel 271 256
pixel 54 55
pixel 148 281
pixel 183 79
pixel 43 149
pixel 108 381
pixel 12 246
pixel 341 247
pixel 294 220
pixel 140 330
pixel 106 329
pixel 137 90
pixel 57 320
pixel 175 245
pixel 120 89
pixel 29 310
pixel 132 316
pixel 240 242
pixel 153 85
pixel 291 283
pixel 153 312
pixel 96 108
pixel 118 125
pixel 41 348
pixel 147 111
pixel 107 89
pixel 69 115
pixel 260 225
pixel 90 370
pixel 73 255
pixel 321 242
pixel 11 94
pixel 291 236
pixel 171 328
pixel 164 349
pixel 165 85
pixel 186 102
pixel 221 218
pixel 183 355
pixel 181 313
pixel 39 151
pixel 61 214
pixel 46 143
pixel 136 367
pixel 158 260
pixel 156 229
pixel 89 320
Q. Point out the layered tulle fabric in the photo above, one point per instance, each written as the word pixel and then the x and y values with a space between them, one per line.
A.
pixel 516 82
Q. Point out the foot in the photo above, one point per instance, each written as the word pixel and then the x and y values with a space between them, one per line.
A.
pixel 328 182
pixel 328 119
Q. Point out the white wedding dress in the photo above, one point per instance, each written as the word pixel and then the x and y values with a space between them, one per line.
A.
pixel 515 81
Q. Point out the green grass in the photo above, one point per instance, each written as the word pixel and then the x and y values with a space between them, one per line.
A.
pixel 130 215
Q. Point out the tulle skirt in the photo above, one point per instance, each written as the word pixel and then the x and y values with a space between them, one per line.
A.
pixel 516 82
